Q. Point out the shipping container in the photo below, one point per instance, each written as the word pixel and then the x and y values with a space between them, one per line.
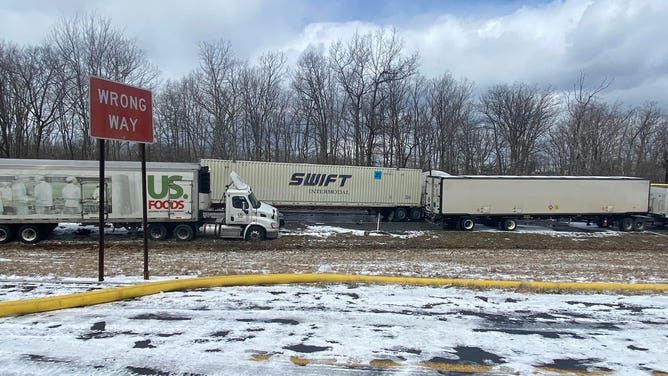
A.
pixel 393 192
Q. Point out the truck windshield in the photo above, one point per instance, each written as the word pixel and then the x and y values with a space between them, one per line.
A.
pixel 255 203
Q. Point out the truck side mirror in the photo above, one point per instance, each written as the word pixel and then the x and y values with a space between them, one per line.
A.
pixel 244 206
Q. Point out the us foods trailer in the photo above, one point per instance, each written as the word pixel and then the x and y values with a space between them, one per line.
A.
pixel 462 201
pixel 393 192
pixel 36 195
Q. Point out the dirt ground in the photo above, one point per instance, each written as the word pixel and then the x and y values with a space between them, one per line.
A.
pixel 628 257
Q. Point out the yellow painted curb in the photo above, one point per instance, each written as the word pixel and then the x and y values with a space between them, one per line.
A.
pixel 51 303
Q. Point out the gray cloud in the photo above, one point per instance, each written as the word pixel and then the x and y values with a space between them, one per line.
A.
pixel 541 43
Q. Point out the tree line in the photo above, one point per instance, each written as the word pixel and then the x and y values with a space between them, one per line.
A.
pixel 361 102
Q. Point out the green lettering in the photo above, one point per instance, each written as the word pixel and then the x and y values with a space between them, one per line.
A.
pixel 176 190
pixel 164 187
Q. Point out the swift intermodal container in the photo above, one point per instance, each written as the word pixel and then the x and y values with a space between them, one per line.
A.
pixel 392 192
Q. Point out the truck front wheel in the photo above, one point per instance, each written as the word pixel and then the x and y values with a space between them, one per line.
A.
pixel 255 233
pixel 184 232
pixel 29 234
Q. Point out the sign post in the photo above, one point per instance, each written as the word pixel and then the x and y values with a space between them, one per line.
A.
pixel 123 113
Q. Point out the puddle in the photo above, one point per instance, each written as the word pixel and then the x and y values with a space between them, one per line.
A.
pixel 145 344
pixel 575 365
pixel 477 355
pixel 146 371
pixel 159 316
pixel 47 359
pixel 301 348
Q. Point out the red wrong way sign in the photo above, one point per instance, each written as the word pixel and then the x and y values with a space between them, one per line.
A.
pixel 120 112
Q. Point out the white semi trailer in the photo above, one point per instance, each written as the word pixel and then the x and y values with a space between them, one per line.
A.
pixel 393 192
pixel 36 195
pixel 658 203
pixel 462 201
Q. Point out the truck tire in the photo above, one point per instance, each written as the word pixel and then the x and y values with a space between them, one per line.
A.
pixel 29 234
pixel 6 234
pixel 508 224
pixel 639 224
pixel 183 232
pixel 626 224
pixel 255 233
pixel 157 231
pixel 467 224
pixel 400 214
pixel 415 214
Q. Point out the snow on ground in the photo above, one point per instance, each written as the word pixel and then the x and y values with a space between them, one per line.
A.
pixel 578 230
pixel 336 329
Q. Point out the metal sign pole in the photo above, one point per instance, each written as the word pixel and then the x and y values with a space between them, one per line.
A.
pixel 142 147
pixel 100 272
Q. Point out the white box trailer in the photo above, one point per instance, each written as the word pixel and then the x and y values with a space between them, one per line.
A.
pixel 658 203
pixel 461 201
pixel 393 192
pixel 36 195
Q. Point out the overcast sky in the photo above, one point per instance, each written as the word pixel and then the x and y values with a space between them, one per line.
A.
pixel 487 42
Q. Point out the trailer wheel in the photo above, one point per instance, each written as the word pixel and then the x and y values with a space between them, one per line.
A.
pixel 157 231
pixel 6 234
pixel 638 224
pixel 508 224
pixel 255 233
pixel 29 234
pixel 183 232
pixel 415 214
pixel 466 224
pixel 626 224
pixel 400 214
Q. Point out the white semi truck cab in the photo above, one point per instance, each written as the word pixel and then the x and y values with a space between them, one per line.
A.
pixel 244 216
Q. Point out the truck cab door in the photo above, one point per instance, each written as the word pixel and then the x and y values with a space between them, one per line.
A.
pixel 238 212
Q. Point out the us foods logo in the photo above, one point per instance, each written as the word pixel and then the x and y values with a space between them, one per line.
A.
pixel 169 196
pixel 335 183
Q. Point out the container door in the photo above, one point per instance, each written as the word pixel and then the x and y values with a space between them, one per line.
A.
pixel 181 196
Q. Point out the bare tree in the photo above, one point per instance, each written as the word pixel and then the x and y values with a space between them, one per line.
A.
pixel 88 45
pixel 519 117
pixel 182 126
pixel 259 87
pixel 217 96
pixel 388 66
pixel 364 67
pixel 645 147
pixel 568 138
pixel 418 116
pixel 315 90
pixel 40 90
pixel 450 104
pixel 11 112
pixel 351 62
